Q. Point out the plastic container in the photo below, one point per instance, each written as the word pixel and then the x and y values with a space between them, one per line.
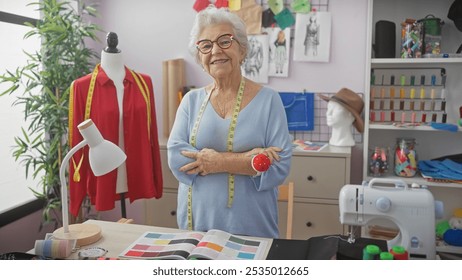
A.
pixel 378 162
pixel 431 34
pixel 411 43
pixel 405 157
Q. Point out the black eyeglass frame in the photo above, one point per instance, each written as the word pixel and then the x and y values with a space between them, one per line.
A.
pixel 231 37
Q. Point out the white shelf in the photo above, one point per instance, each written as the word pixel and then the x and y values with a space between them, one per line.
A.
pixel 449 249
pixel 419 180
pixel 407 128
pixel 404 61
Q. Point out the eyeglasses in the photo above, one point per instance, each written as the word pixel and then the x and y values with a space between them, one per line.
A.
pixel 224 42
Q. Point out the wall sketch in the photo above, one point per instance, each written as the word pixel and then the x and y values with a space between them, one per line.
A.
pixel 279 50
pixel 312 37
pixel 255 66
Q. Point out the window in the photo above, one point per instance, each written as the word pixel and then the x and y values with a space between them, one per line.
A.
pixel 14 187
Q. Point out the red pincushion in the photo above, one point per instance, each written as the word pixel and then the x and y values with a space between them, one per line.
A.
pixel 261 163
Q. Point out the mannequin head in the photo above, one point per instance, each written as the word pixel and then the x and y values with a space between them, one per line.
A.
pixel 112 42
pixel 341 121
pixel 343 112
pixel 351 102
pixel 338 116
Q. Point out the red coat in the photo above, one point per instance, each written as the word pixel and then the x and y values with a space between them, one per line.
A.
pixel 144 173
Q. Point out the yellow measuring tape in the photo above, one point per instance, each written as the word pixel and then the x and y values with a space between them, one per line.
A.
pixel 144 91
pixel 229 145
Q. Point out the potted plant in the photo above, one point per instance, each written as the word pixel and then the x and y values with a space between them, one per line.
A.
pixel 42 89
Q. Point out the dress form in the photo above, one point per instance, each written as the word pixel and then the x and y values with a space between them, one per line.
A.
pixel 113 66
pixel 340 120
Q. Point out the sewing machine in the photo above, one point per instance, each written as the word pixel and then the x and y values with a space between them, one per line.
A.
pixel 411 209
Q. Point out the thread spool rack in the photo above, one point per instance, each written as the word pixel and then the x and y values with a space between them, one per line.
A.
pixel 412 96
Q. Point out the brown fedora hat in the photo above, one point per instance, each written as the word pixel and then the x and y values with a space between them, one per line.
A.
pixel 352 102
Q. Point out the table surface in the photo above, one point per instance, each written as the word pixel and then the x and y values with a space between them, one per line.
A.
pixel 116 237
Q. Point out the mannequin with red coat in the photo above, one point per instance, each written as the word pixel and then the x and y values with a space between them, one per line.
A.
pixel 120 102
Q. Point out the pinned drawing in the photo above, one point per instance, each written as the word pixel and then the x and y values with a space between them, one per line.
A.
pixel 255 66
pixel 312 37
pixel 279 49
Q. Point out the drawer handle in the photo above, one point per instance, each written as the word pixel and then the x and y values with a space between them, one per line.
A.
pixel 310 178
pixel 173 213
pixel 309 224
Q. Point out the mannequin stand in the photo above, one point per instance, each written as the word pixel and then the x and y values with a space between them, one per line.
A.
pixel 122 205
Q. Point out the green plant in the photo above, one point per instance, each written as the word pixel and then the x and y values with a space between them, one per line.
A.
pixel 42 89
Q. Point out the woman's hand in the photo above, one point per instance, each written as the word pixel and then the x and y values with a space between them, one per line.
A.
pixel 206 161
pixel 271 152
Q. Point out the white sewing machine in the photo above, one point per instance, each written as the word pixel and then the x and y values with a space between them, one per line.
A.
pixel 411 209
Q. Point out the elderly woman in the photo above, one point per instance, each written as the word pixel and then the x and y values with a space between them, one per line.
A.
pixel 218 131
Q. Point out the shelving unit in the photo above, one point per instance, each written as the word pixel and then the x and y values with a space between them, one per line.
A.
pixel 431 143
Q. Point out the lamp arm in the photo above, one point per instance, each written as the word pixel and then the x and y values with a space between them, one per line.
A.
pixel 62 177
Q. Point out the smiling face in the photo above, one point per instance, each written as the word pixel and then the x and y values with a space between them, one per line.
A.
pixel 221 63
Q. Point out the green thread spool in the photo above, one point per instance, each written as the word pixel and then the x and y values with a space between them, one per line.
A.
pixel 371 252
pixel 386 256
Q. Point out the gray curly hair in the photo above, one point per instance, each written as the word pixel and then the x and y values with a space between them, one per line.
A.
pixel 211 16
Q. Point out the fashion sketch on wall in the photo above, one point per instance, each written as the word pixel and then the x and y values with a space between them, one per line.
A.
pixel 255 66
pixel 279 49
pixel 312 37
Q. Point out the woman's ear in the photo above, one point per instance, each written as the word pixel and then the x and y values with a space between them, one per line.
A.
pixel 243 53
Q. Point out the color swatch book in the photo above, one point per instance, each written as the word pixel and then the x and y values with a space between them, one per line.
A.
pixel 301 145
pixel 212 245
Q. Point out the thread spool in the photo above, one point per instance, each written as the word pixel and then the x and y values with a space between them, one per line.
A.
pixel 53 248
pixel 386 256
pixel 371 252
pixel 399 253
pixel 424 117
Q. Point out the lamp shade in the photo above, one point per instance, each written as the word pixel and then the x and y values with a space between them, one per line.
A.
pixel 104 156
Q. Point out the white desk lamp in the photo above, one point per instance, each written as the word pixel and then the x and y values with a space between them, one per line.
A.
pixel 104 156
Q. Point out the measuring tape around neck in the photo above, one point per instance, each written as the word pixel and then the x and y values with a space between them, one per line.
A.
pixel 229 145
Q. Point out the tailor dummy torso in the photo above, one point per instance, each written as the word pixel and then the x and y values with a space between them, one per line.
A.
pixel 340 120
pixel 112 64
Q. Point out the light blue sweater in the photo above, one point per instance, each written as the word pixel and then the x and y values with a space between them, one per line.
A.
pixel 262 123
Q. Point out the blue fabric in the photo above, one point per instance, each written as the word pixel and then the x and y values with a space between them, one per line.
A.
pixel 299 109
pixel 445 169
pixel 262 123
pixel 445 126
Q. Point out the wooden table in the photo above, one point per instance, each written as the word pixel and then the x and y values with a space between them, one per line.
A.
pixel 116 237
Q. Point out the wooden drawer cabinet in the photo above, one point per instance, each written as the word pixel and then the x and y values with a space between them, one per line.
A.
pixel 314 219
pixel 162 212
pixel 318 178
